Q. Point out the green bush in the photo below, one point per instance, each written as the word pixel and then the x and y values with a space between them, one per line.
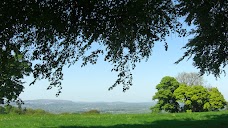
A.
pixel 189 111
pixel 30 111
pixel 92 112
pixel 15 110
pixel 9 109
pixel 66 113
pixel 155 110
pixel 2 110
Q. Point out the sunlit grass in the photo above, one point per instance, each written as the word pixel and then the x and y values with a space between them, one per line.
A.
pixel 181 120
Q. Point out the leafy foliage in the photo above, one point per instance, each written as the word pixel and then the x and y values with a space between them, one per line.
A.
pixel 209 46
pixel 12 70
pixel 216 99
pixel 165 97
pixel 9 109
pixel 51 34
pixel 198 98
pixel 172 95
pixel 92 112
pixel 58 33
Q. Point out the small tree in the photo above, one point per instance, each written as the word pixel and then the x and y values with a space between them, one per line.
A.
pixel 165 97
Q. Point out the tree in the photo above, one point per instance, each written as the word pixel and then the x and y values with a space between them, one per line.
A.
pixel 194 97
pixel 52 34
pixel 198 98
pixel 216 100
pixel 209 46
pixel 165 97
pixel 58 33
pixel 180 95
pixel 190 78
pixel 12 70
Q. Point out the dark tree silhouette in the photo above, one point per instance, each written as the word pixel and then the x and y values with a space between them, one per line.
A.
pixel 51 34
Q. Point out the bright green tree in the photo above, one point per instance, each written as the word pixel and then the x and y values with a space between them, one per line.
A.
pixel 164 95
pixel 216 100
pixel 180 94
pixel 198 98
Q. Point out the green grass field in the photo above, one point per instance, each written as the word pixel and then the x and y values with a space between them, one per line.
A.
pixel 177 120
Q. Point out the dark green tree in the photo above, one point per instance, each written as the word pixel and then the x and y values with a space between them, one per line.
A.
pixel 166 100
pixel 58 33
pixel 51 34
pixel 209 46
pixel 12 70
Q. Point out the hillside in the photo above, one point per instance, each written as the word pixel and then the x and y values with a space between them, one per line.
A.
pixel 61 106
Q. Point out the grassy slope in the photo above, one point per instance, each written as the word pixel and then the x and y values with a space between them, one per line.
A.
pixel 177 120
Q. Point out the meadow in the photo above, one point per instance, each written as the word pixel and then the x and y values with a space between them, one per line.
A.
pixel 165 120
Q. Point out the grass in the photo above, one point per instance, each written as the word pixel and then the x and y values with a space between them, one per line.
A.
pixel 176 120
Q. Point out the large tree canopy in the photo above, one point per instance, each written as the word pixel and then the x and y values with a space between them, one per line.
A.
pixel 209 46
pixel 50 34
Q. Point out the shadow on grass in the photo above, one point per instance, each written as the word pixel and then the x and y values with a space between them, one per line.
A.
pixel 213 121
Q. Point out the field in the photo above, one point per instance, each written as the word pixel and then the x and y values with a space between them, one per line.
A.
pixel 168 120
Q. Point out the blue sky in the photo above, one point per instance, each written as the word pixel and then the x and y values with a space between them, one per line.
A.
pixel 91 83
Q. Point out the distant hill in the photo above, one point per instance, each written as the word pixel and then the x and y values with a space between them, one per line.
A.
pixel 61 106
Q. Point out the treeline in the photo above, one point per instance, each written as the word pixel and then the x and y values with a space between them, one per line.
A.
pixel 173 96
pixel 9 109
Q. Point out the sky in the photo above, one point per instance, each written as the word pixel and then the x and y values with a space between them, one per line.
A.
pixel 91 83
